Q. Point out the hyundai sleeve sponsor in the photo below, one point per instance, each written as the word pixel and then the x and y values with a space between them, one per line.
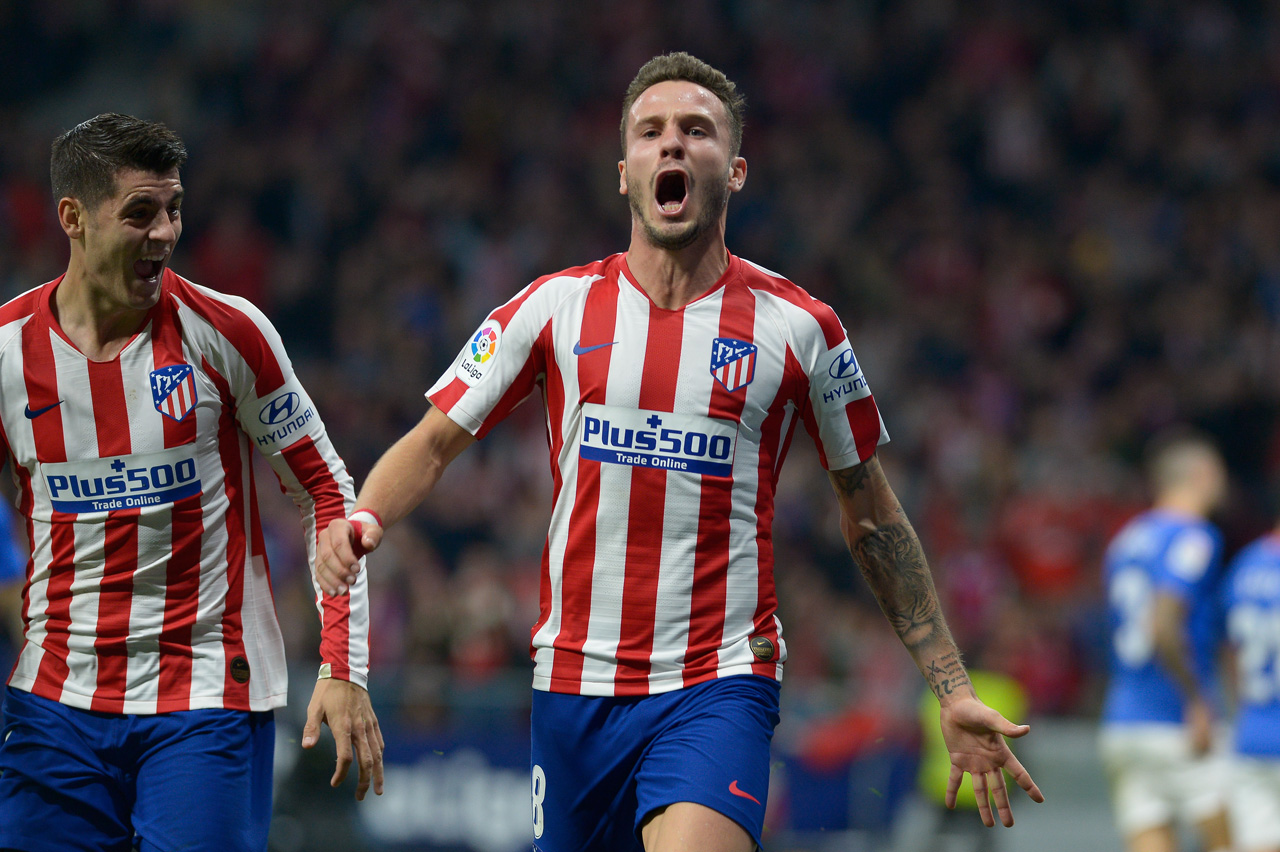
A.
pixel 658 439
pixel 280 418
pixel 844 381
pixel 122 482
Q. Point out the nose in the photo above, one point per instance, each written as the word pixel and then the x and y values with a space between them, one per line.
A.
pixel 672 143
pixel 164 228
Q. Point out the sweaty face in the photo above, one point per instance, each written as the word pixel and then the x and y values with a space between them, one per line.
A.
pixel 678 171
pixel 130 236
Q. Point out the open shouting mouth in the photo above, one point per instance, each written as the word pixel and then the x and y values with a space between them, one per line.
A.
pixel 671 191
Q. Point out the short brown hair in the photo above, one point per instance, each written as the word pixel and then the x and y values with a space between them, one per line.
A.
pixel 85 160
pixel 682 66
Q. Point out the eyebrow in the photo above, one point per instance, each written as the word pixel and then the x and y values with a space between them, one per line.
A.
pixel 150 198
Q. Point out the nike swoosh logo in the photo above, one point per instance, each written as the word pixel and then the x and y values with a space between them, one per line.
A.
pixel 32 415
pixel 579 349
pixel 733 788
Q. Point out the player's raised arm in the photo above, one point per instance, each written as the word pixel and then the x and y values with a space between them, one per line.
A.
pixel 887 551
pixel 401 479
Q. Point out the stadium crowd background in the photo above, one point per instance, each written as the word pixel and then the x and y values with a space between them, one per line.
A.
pixel 1051 229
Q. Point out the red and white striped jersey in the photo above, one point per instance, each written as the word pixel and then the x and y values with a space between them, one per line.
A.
pixel 147 589
pixel 667 430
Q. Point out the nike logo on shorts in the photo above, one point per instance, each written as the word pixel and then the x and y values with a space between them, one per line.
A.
pixel 579 349
pixel 735 790
pixel 32 415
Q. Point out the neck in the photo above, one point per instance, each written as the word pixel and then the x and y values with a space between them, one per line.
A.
pixel 1183 502
pixel 675 277
pixel 98 325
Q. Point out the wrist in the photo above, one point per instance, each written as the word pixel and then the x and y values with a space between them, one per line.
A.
pixel 366 516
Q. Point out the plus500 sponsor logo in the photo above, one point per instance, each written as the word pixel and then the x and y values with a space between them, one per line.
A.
pixel 658 439
pixel 123 482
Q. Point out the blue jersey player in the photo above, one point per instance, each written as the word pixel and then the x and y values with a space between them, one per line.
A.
pixel 1252 599
pixel 1158 737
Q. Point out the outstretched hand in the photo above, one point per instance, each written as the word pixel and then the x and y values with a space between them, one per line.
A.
pixel 338 553
pixel 974 734
pixel 345 708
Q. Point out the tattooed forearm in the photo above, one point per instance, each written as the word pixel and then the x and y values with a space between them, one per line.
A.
pixel 892 561
pixel 946 674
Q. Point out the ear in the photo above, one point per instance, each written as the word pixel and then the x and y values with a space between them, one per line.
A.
pixel 737 174
pixel 622 177
pixel 72 216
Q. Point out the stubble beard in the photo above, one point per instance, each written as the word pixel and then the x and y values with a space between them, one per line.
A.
pixel 715 197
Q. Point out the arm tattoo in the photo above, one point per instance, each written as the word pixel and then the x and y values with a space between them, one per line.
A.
pixel 851 480
pixel 893 563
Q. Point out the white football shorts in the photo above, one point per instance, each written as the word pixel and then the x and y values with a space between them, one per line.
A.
pixel 1156 781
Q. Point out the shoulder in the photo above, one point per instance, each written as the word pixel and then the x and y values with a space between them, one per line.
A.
pixel 547 292
pixel 231 316
pixel 791 301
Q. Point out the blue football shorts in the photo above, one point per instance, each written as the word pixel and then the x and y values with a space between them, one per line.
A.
pixel 601 765
pixel 101 782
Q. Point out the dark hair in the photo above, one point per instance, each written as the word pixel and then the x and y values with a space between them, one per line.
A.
pixel 85 160
pixel 682 66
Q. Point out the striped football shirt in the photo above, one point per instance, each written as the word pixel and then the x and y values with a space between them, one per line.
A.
pixel 667 430
pixel 147 590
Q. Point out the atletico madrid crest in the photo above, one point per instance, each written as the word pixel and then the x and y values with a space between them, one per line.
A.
pixel 173 390
pixel 733 362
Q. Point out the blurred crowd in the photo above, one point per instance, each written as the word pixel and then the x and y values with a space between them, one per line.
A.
pixel 1051 229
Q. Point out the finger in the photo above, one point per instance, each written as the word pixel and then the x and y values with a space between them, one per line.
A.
pixel 1015 768
pixel 953 785
pixel 341 739
pixel 1000 724
pixel 311 730
pixel 375 739
pixel 1000 793
pixel 364 759
pixel 980 793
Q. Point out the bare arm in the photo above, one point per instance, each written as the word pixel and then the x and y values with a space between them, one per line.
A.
pixel 888 553
pixel 401 479
pixel 1174 653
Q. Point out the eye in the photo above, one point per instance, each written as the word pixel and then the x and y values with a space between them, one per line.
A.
pixel 650 134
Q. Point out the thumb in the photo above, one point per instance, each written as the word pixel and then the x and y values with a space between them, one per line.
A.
pixel 1009 729
pixel 311 731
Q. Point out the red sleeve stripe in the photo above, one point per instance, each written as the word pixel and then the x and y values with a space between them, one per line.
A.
pixel 864 421
pixel 313 472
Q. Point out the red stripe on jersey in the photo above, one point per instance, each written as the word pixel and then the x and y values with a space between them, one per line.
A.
pixel 309 466
pixel 40 376
pixel 120 557
pixel 235 694
pixel 778 428
pixel 832 330
pixel 237 327
pixel 182 574
pixel 599 324
pixel 644 514
pixel 864 422
pixel 521 386
pixel 553 386
pixel 711 558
